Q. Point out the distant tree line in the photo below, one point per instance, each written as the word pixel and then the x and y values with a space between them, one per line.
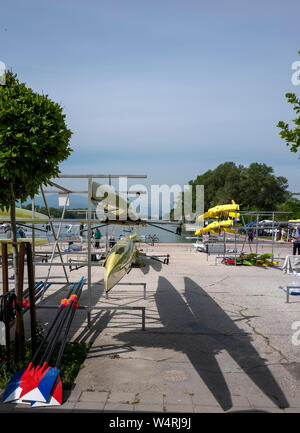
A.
pixel 57 212
pixel 255 188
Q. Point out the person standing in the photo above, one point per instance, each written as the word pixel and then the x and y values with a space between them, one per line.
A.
pixel 296 240
pixel 7 230
pixel 81 232
pixel 250 235
pixel 20 233
pixel 97 237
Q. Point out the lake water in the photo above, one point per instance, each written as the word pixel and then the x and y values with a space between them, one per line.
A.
pixel 147 232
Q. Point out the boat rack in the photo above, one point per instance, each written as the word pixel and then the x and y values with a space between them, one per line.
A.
pixel 219 246
pixel 65 194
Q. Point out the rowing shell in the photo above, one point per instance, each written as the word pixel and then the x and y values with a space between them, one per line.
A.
pixel 119 262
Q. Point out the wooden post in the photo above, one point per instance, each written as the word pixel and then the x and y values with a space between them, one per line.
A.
pixel 30 274
pixel 5 291
pixel 19 331
pixel 4 268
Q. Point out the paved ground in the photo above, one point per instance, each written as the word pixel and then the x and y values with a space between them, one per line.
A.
pixel 218 339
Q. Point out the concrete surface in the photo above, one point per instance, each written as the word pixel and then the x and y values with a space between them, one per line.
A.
pixel 218 338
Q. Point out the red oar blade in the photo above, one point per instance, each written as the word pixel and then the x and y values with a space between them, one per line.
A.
pixel 55 398
pixel 40 387
pixel 31 380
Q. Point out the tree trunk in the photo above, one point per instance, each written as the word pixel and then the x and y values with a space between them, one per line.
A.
pixel 19 328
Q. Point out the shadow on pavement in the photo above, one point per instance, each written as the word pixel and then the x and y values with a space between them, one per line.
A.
pixel 197 326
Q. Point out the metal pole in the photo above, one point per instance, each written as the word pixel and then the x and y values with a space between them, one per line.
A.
pixel 257 218
pixel 53 231
pixel 106 246
pixel 31 297
pixel 56 240
pixel 33 233
pixel 272 232
pixel 89 250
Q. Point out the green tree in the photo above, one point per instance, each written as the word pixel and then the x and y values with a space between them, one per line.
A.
pixel 220 184
pixel 292 134
pixel 293 206
pixel 34 139
pixel 255 187
pixel 260 189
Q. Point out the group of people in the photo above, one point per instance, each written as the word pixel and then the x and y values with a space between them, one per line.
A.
pixel 95 234
pixel 7 230
pixel 295 239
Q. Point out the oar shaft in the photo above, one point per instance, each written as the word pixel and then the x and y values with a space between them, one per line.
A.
pixel 54 322
pixel 62 347
pixel 51 347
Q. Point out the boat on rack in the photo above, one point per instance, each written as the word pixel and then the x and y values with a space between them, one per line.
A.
pixel 119 261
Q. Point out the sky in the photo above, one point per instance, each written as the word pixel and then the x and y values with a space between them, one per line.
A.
pixel 166 88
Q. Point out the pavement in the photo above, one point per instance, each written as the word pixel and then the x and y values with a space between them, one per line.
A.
pixel 217 338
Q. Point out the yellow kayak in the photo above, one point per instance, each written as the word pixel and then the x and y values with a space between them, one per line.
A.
pixel 22 213
pixel 119 261
pixel 217 226
pixel 229 210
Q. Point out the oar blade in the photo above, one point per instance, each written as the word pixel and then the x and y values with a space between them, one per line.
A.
pixel 55 398
pixel 13 389
pixel 42 385
pixel 31 379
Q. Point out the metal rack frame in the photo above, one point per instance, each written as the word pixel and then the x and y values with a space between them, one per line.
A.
pixel 88 221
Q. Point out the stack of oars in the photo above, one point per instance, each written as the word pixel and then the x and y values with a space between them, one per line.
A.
pixel 39 383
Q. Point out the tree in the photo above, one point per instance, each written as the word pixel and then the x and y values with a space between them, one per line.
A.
pixel 34 139
pixel 292 206
pixel 255 187
pixel 289 134
pixel 260 189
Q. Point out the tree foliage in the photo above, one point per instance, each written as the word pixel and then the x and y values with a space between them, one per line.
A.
pixel 292 206
pixel 292 134
pixel 289 134
pixel 254 187
pixel 34 139
pixel 57 212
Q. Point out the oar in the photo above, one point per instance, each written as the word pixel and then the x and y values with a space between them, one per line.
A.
pixel 55 394
pixel 32 386
pixel 38 293
pixel 37 285
pixel 14 387
pixel 40 383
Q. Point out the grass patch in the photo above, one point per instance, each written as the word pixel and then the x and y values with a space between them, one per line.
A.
pixel 72 362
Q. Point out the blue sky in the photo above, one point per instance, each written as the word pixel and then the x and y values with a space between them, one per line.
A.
pixel 166 88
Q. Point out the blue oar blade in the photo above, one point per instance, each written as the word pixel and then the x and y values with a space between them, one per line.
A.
pixel 13 389
pixel 42 391
pixel 55 398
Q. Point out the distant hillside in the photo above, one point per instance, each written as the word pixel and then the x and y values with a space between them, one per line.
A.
pixel 76 201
